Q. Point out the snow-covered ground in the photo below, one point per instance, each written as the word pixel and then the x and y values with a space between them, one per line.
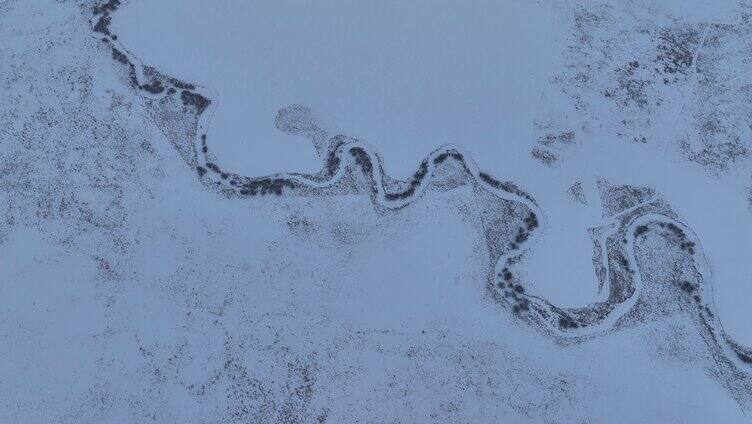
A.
pixel 134 288
pixel 407 77
pixel 402 76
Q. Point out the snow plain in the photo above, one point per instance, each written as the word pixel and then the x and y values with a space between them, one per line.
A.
pixel 132 290
pixel 409 77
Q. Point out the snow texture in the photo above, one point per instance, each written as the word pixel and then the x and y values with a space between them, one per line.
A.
pixel 392 212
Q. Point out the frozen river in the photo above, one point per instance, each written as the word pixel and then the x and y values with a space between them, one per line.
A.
pixel 407 77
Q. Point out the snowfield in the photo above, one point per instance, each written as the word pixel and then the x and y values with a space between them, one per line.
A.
pixel 251 212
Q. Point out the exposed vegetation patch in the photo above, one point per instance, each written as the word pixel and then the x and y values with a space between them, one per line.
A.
pixel 543 156
pixel 578 193
pixel 554 139
pixel 440 158
pixel 196 100
pixel 513 292
pixel 640 230
pixel 106 8
pixel 414 182
pixel 154 87
pixel 676 50
pixel 504 185
pixel 687 287
pixel 679 234
pixel 120 57
pixel 620 198
pixel 181 85
pixel 104 21
pixel 263 186
pixel 362 160
pixel 566 322
pixel 103 25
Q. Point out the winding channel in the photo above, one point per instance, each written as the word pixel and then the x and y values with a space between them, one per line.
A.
pixel 346 156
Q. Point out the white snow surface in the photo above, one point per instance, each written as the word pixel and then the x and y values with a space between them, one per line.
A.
pixel 132 291
pixel 407 77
